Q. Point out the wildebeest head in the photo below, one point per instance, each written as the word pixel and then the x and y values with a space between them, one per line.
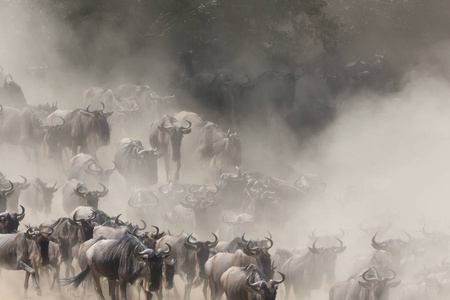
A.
pixel 41 238
pixel 85 226
pixel 9 222
pixel 378 287
pixel 202 250
pixel 327 259
pixel 395 247
pixel 148 239
pixel 102 174
pixel 4 194
pixel 46 192
pixel 175 132
pixel 266 290
pixel 260 251
pixel 51 137
pixel 91 197
pixel 154 261
pixel 14 92
pixel 99 120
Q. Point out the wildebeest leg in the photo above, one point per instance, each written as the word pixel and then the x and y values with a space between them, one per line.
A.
pixel 69 268
pixel 186 282
pixel 96 277
pixel 177 174
pixel 167 166
pixel 31 272
pixel 36 158
pixel 205 288
pixel 27 153
pixel 112 289
pixel 287 289
pixel 123 289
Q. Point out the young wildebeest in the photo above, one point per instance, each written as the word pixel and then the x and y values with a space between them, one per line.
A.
pixel 166 135
pixel 76 194
pixel 125 260
pixel 39 196
pixel 16 252
pixel 368 286
pixel 236 282
pixel 136 164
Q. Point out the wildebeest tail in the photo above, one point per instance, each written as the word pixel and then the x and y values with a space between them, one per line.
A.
pixel 77 280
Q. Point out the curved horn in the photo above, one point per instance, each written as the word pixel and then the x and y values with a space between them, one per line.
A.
pixel 365 277
pixel 283 277
pixel 145 225
pixel 243 238
pixel 59 125
pixel 189 241
pixel 25 181
pixel 104 192
pixel 117 221
pixel 211 245
pixel 384 279
pixel 22 214
pixel 103 106
pixel 254 286
pixel 340 248
pixel 252 250
pixel 168 251
pixel 149 252
pixel 6 191
pixel 314 249
pixel 188 127
pixel 376 245
pixel 92 163
pixel 271 243
pixel 87 109
pixel 157 229
pixel 79 192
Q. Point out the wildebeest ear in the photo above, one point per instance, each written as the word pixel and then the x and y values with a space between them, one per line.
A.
pixel 365 285
pixel 186 131
pixel 190 247
pixel 394 284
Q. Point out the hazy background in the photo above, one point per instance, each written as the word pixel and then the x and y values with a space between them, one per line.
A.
pixel 384 154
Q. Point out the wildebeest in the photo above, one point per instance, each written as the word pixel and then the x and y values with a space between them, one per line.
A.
pixel 166 135
pixel 306 272
pixel 5 194
pixel 11 93
pixel 85 168
pixel 368 286
pixel 76 194
pixel 21 127
pixel 216 266
pixel 13 199
pixel 191 256
pixel 125 260
pixel 82 128
pixel 237 285
pixel 16 252
pixel 210 142
pixel 144 204
pixel 9 222
pixel 70 233
pixel 39 197
pixel 136 164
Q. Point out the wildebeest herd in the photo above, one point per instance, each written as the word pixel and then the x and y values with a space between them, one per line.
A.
pixel 205 223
